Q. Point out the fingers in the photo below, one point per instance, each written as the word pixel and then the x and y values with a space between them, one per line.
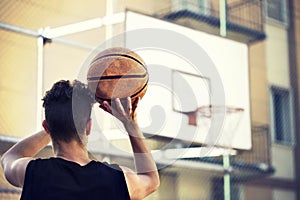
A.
pixel 106 107
pixel 123 110
pixel 119 107
pixel 129 105
pixel 123 106
pixel 135 104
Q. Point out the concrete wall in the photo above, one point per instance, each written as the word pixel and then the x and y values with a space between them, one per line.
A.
pixel 296 84
pixel 278 74
pixel 193 186
pixel 283 161
pixel 277 55
pixel 297 31
pixel 258 83
pixel 283 194
pixel 17 84
pixel 257 192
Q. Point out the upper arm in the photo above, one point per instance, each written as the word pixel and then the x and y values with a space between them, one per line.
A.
pixel 14 169
pixel 139 185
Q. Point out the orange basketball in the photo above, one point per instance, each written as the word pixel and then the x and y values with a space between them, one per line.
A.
pixel 117 73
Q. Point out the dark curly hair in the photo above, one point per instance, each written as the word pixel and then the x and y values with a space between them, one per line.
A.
pixel 68 108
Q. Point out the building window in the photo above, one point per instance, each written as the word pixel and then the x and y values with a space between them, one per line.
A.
pixel 281 115
pixel 197 6
pixel 276 10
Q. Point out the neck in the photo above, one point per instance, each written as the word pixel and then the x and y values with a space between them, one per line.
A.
pixel 72 151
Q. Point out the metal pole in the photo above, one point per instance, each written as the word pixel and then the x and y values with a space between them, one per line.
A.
pixel 40 78
pixel 226 157
pixel 18 29
pixel 226 178
pixel 109 28
pixel 223 17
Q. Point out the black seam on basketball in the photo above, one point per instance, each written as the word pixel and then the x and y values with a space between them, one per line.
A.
pixel 117 77
pixel 140 89
pixel 135 94
pixel 119 54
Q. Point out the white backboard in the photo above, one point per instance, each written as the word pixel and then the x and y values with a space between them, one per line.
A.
pixel 176 84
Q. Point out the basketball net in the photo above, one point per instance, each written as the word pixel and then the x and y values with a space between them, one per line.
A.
pixel 202 117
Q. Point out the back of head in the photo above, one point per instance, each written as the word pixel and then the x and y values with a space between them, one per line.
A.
pixel 68 108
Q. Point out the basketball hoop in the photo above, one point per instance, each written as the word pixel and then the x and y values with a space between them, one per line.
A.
pixel 230 115
pixel 210 110
pixel 202 117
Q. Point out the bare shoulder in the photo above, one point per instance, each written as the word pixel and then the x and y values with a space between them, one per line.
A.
pixel 139 185
pixel 14 169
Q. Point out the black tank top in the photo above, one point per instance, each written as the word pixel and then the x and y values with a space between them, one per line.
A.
pixel 59 179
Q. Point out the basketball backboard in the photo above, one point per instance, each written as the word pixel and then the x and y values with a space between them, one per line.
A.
pixel 178 84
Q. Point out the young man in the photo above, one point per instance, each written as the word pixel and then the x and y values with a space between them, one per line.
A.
pixel 71 174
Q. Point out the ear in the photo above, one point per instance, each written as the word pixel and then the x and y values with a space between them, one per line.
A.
pixel 45 126
pixel 88 127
